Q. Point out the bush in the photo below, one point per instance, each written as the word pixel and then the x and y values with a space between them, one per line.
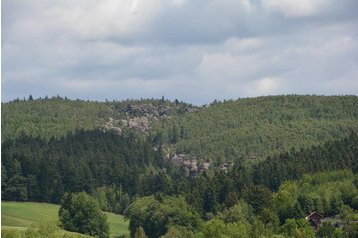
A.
pixel 43 230
pixel 10 233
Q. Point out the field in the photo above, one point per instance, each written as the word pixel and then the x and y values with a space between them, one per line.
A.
pixel 22 214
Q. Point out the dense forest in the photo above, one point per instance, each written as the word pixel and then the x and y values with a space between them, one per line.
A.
pixel 221 131
pixel 258 127
pixel 56 116
pixel 289 156
pixel 117 170
pixel 44 170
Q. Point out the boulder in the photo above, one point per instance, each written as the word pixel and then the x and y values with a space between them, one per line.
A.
pixel 116 130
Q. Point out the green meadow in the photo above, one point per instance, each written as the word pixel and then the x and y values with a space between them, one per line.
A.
pixel 19 215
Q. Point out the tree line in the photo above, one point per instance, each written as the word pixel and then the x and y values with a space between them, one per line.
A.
pixel 116 169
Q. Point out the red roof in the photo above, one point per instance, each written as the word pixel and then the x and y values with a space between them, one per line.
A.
pixel 314 213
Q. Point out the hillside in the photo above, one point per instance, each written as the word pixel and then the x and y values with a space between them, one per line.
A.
pixel 56 116
pixel 240 195
pixel 258 127
pixel 38 170
pixel 250 128
pixel 52 117
pixel 24 214
pixel 123 164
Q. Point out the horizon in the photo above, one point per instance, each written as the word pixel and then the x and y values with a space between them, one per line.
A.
pixel 98 50
pixel 63 97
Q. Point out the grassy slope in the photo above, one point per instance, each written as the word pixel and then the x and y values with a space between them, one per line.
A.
pixel 117 225
pixel 23 214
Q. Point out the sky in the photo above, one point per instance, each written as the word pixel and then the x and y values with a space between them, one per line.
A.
pixel 191 50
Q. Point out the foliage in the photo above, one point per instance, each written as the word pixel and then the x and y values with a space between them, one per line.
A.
pixel 257 127
pixel 11 233
pixel 326 230
pixel 270 219
pixel 351 231
pixel 43 230
pixel 320 192
pixel 292 165
pixel 81 213
pixel 297 228
pixel 230 130
pixel 50 117
pixel 116 169
pixel 178 232
pixel 346 212
pixel 57 116
pixel 112 199
pixel 259 197
pixel 156 215
pixel 38 170
pixel 240 212
pixel 216 228
pixel 311 163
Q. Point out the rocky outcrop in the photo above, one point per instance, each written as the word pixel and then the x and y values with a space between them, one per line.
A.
pixel 109 126
pixel 116 130
pixel 138 115
pixel 139 123
pixel 227 166
pixel 192 166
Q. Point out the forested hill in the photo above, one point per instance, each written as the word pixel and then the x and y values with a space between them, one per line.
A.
pixel 250 128
pixel 121 152
pixel 262 126
pixel 50 117
pixel 56 116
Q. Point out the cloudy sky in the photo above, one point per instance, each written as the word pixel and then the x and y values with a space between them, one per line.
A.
pixel 192 50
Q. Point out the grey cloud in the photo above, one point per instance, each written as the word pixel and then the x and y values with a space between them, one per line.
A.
pixel 191 50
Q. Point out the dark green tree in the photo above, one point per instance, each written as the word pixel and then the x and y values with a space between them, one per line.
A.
pixel 258 197
pixel 16 189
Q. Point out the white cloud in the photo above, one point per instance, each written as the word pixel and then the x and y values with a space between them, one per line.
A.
pixel 87 19
pixel 191 50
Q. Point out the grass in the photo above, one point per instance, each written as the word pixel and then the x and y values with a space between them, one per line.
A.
pixel 48 230
pixel 23 214
pixel 117 225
